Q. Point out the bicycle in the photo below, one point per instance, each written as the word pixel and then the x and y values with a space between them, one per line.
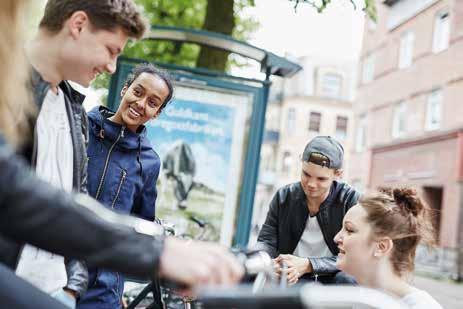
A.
pixel 257 265
pixel 161 294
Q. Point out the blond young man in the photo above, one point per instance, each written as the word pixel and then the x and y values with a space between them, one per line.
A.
pixel 76 41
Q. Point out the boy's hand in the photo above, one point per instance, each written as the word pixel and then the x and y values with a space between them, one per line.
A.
pixel 297 266
pixel 196 263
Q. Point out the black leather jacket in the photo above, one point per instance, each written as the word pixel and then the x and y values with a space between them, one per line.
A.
pixel 287 217
pixel 34 212
pixel 77 273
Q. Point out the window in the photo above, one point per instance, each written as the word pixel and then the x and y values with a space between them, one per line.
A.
pixel 406 50
pixel 272 121
pixel 290 120
pixel 434 110
pixel 401 11
pixel 287 162
pixel 341 127
pixel 368 73
pixel 360 139
pixel 441 32
pixel 399 120
pixel 331 85
pixel 314 121
pixel 267 159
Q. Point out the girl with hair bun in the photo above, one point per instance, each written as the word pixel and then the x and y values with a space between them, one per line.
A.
pixel 378 241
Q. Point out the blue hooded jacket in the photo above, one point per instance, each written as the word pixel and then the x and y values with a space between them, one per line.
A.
pixel 122 172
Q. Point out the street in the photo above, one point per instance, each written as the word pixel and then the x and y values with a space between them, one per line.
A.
pixel 447 293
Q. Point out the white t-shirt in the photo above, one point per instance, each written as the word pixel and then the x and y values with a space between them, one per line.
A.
pixel 312 242
pixel 54 150
pixel 54 165
pixel 419 299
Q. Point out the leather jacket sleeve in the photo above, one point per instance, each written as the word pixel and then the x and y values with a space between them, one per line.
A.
pixel 34 212
pixel 77 271
pixel 268 236
pixel 325 265
pixel 84 164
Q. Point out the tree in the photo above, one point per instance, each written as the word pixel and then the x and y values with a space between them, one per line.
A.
pixel 214 15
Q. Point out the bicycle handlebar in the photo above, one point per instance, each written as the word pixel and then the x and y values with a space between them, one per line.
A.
pixel 242 297
pixel 139 225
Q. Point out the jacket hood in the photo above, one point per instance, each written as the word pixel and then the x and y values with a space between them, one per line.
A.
pixel 102 127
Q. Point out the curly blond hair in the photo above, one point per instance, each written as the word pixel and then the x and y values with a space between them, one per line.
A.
pixel 15 102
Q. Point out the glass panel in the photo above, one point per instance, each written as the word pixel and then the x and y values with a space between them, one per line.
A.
pixel 441 32
pixel 331 85
pixel 201 138
pixel 434 110
pixel 314 121
pixel 341 127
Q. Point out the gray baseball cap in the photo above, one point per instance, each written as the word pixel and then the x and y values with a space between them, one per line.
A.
pixel 327 147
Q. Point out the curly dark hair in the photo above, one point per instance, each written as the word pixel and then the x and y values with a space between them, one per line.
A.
pixel 154 70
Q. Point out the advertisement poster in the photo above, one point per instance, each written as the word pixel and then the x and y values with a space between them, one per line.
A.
pixel 200 138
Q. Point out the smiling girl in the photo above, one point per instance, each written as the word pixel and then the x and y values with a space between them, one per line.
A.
pixel 378 241
pixel 123 167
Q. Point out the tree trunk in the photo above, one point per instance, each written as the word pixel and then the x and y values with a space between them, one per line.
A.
pixel 219 18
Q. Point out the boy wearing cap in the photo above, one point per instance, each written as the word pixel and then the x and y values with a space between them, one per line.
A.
pixel 304 217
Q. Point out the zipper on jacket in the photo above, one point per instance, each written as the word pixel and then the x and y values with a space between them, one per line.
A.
pixel 119 187
pixel 105 169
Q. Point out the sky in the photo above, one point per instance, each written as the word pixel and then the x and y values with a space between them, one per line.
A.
pixel 337 32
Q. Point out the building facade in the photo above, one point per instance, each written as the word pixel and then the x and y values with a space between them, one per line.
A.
pixel 317 101
pixel 408 114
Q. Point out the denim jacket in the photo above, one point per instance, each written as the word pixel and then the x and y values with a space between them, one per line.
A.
pixel 122 172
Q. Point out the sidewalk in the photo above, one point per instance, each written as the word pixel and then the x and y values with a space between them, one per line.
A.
pixel 447 293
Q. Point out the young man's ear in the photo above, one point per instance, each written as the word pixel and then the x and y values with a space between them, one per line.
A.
pixel 383 247
pixel 124 90
pixel 77 22
pixel 338 173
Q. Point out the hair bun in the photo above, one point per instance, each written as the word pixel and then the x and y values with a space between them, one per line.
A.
pixel 408 199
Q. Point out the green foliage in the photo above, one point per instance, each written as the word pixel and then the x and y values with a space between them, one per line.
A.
pixel 244 26
pixel 178 13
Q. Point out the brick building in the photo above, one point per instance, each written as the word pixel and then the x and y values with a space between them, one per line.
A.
pixel 409 114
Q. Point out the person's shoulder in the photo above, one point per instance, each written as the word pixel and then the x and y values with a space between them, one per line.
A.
pixel 346 193
pixel 291 189
pixel 153 156
pixel 289 192
pixel 69 91
pixel 150 159
pixel 95 116
pixel 420 299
